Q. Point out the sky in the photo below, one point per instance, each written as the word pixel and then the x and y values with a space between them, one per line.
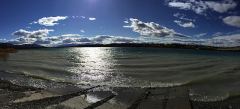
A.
pixel 61 22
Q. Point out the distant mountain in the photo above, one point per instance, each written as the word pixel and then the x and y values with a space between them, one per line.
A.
pixel 24 46
pixel 174 45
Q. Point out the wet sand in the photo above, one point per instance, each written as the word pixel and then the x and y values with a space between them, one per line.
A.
pixel 70 96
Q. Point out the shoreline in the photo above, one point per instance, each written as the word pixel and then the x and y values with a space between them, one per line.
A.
pixel 6 47
pixel 173 97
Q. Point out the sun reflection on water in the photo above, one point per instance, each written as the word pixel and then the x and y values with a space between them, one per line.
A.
pixel 92 64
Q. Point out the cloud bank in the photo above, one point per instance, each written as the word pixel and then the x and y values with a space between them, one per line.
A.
pixel 149 32
pixel 42 37
pixel 201 7
pixel 29 37
pixel 32 34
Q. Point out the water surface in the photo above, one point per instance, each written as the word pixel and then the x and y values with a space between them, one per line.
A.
pixel 210 74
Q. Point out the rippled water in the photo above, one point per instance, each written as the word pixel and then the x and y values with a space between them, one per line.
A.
pixel 211 73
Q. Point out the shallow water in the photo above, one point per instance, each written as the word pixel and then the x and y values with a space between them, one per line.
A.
pixel 211 75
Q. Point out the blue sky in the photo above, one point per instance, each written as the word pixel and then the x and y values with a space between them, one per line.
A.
pixel 120 18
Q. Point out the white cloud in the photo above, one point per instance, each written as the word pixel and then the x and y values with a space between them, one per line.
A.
pixel 92 18
pixel 217 34
pixel 227 40
pixel 200 35
pixel 151 29
pixel 221 7
pixel 78 17
pixel 71 35
pixel 183 17
pixel 126 21
pixel 32 34
pixel 232 21
pixel 41 37
pixel 197 6
pixel 50 21
pixel 235 37
pixel 82 31
pixel 3 40
pixel 29 37
pixel 71 40
pixel 99 39
pixel 23 40
pixel 180 5
pixel 51 41
pixel 201 7
pixel 107 39
pixel 185 24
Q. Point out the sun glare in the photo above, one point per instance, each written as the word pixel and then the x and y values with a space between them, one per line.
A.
pixel 94 63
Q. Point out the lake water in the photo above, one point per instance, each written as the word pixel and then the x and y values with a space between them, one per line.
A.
pixel 209 74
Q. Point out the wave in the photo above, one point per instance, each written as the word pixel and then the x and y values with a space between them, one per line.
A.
pixel 208 98
pixel 26 79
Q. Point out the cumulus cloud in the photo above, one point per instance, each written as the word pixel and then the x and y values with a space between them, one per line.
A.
pixel 221 7
pixel 185 24
pixel 99 39
pixel 180 5
pixel 79 40
pixel 150 29
pixel 71 35
pixel 107 39
pixel 50 21
pixel 32 34
pixel 23 40
pixel 42 37
pixel 92 18
pixel 51 41
pixel 197 6
pixel 200 7
pixel 232 21
pixel 29 37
